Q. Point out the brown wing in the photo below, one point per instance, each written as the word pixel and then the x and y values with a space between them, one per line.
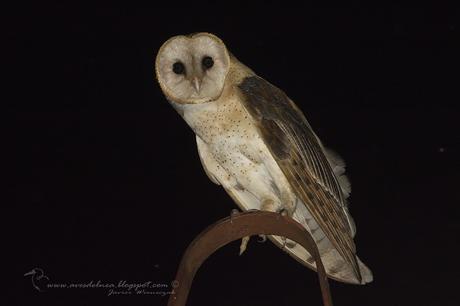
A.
pixel 301 157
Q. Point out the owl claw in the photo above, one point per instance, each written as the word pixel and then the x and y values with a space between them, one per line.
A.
pixel 244 244
pixel 288 243
pixel 283 212
pixel 262 238
pixel 283 239
pixel 233 213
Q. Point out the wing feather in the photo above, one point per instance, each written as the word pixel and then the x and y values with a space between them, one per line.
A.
pixel 301 156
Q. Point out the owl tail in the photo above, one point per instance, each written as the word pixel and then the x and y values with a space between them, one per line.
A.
pixel 336 267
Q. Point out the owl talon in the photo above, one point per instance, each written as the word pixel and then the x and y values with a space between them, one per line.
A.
pixel 244 244
pixel 233 213
pixel 262 238
pixel 290 243
pixel 283 239
pixel 283 212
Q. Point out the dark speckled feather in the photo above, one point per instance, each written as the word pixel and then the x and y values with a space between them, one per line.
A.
pixel 302 159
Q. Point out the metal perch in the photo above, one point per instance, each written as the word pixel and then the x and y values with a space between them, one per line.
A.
pixel 236 227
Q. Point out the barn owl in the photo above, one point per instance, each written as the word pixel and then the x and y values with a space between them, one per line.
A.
pixel 257 144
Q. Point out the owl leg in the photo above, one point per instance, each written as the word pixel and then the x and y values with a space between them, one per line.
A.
pixel 244 240
pixel 266 205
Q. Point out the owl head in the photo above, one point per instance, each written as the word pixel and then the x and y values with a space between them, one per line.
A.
pixel 192 69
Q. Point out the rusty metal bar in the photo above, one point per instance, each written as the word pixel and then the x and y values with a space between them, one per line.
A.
pixel 236 227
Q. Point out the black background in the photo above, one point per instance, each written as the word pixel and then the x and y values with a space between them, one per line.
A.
pixel 108 184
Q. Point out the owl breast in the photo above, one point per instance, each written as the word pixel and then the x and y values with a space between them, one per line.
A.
pixel 240 158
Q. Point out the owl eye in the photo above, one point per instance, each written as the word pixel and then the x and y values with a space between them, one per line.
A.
pixel 178 68
pixel 207 62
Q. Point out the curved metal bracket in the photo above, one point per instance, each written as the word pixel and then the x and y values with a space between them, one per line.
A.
pixel 236 227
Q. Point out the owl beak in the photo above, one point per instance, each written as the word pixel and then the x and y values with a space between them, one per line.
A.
pixel 196 84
